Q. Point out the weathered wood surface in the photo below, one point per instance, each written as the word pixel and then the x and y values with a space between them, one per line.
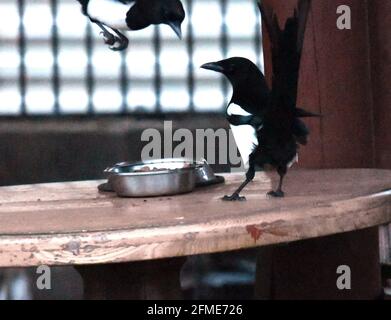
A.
pixel 72 223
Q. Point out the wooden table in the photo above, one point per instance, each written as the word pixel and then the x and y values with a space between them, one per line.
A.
pixel 334 214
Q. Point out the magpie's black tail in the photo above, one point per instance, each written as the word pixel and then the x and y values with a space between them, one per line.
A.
pixel 286 46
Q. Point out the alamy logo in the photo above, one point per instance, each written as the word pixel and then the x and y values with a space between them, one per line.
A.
pixel 344 281
pixel 205 145
pixel 344 20
pixel 44 281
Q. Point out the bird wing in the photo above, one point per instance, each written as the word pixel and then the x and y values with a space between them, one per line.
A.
pixel 245 135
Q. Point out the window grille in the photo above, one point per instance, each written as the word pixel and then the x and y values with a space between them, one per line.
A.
pixel 53 60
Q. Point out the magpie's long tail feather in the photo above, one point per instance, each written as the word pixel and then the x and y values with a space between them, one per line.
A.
pixel 270 21
pixel 286 45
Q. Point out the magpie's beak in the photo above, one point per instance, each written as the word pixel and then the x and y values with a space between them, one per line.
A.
pixel 214 66
pixel 176 26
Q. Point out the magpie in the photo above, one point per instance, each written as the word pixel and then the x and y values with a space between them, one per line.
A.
pixel 111 16
pixel 266 123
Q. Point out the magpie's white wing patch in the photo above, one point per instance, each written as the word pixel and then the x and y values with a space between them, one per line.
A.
pixel 245 135
pixel 294 160
pixel 110 12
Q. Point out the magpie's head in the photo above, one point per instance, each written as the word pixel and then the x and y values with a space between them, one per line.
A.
pixel 238 70
pixel 169 12
pixel 148 12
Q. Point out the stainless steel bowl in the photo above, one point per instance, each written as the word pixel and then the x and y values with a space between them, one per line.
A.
pixel 152 178
pixel 204 173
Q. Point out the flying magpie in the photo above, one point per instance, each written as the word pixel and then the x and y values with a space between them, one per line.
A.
pixel 114 15
pixel 266 122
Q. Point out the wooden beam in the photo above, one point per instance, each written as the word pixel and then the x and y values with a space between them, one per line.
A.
pixel 336 81
pixel 380 36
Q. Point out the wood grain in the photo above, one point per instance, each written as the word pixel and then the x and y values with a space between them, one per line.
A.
pixel 72 223
pixel 380 34
pixel 335 80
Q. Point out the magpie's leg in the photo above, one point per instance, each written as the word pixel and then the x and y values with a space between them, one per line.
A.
pixel 116 42
pixel 108 37
pixel 279 193
pixel 122 41
pixel 236 195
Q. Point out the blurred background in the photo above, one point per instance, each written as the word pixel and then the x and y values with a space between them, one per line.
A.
pixel 54 61
pixel 69 106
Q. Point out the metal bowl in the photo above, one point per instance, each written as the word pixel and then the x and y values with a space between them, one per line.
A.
pixel 152 178
pixel 204 173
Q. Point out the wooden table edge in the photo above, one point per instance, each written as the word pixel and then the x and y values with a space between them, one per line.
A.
pixel 101 247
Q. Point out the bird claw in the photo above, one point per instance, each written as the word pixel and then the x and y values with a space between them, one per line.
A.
pixel 122 44
pixel 115 43
pixel 108 38
pixel 276 194
pixel 234 197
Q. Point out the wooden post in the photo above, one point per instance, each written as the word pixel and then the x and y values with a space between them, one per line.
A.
pixel 335 81
pixel 380 36
pixel 308 269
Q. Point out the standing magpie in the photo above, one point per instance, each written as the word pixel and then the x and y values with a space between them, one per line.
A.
pixel 272 128
pixel 114 15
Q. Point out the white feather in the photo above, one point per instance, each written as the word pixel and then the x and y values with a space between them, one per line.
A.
pixel 294 160
pixel 245 135
pixel 109 12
